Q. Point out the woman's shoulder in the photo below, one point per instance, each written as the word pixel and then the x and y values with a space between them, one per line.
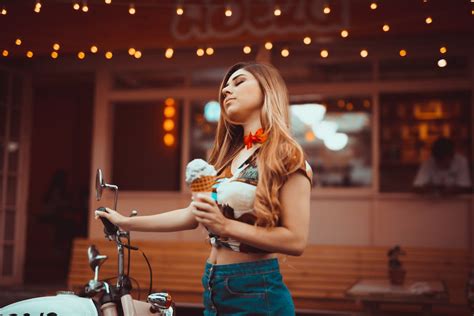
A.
pixel 306 170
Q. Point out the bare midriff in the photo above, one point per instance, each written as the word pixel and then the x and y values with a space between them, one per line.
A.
pixel 224 255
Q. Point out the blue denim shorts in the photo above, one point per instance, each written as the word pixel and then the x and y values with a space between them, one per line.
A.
pixel 249 288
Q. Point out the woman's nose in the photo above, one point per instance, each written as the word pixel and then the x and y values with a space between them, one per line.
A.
pixel 226 91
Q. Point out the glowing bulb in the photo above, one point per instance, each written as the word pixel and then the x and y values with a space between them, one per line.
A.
pixel 4 11
pixel 285 52
pixel 403 53
pixel 18 41
pixel 5 53
pixel 268 45
pixel 94 49
pixel 209 51
pixel 277 11
pixel 364 53
pixel 169 53
pixel 200 52
pixel 443 50
pixel 307 40
pixel 37 7
pixel 168 125
pixel 179 10
pixel 131 51
pixel 29 54
pixel 324 53
pixel 429 20
pixel 344 33
pixel 247 49
pixel 169 111
pixel 56 46
pixel 373 5
pixel 168 139
pixel 386 27
pixel 132 10
pixel 108 1
pixel 442 63
pixel 228 12
pixel 138 54
pixel 54 55
pixel 85 8
pixel 109 55
pixel 81 55
pixel 76 6
pixel 327 9
pixel 170 102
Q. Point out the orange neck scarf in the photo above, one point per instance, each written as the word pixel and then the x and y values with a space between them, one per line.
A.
pixel 258 137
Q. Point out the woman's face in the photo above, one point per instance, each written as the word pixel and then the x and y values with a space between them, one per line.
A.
pixel 243 97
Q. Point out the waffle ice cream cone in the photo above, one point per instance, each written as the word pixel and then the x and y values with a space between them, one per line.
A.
pixel 200 176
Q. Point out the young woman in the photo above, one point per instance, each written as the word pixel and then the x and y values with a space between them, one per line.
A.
pixel 261 200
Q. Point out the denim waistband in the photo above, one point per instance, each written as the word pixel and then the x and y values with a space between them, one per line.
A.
pixel 244 268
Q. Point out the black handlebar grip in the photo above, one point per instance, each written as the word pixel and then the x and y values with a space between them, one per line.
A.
pixel 109 228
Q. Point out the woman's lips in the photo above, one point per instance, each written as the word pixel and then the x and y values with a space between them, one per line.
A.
pixel 228 101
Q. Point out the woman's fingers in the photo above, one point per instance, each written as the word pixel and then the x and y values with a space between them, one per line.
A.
pixel 202 206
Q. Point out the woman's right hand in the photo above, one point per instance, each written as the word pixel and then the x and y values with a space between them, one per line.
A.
pixel 113 216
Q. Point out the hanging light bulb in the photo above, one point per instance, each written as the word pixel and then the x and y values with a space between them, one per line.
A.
pixel 228 11
pixel 373 5
pixel 169 53
pixel 81 55
pixel 307 40
pixel 18 42
pixel 108 1
pixel 76 6
pixel 403 53
pixel 344 33
pixel 131 51
pixel 442 63
pixel 56 46
pixel 277 11
pixel 38 6
pixel 428 20
pixel 247 49
pixel 386 27
pixel 364 53
pixel 179 10
pixel 94 49
pixel 443 50
pixel 324 53
pixel 5 53
pixel 327 9
pixel 85 8
pixel 209 51
pixel 4 11
pixel 109 55
pixel 138 54
pixel 200 52
pixel 131 9
pixel 54 55
pixel 285 52
pixel 268 45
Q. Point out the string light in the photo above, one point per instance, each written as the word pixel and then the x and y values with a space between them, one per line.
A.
pixel 109 55
pixel 228 11
pixel 268 45
pixel 179 10
pixel 5 53
pixel 76 6
pixel 37 6
pixel 29 54
pixel 443 50
pixel 168 124
pixel 373 5
pixel 285 52
pixel 326 9
pixel 18 42
pixel 200 52
pixel 324 53
pixel 403 53
pixel 170 102
pixel 277 11
pixel 364 53
pixel 247 49
pixel 386 27
pixel 442 63
pixel 344 33
pixel 429 20
pixel 131 9
pixel 108 1
pixel 54 55
pixel 209 51
pixel 169 111
pixel 131 51
pixel 169 53
pixel 81 55
pixel 138 54
pixel 4 10
pixel 307 40
pixel 94 49
pixel 168 139
pixel 56 46
pixel 85 7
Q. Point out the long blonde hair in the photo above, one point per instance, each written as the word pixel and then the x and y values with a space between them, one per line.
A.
pixel 279 156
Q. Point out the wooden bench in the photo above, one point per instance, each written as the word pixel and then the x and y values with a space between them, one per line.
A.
pixel 317 280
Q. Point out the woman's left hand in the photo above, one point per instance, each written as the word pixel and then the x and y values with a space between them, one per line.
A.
pixel 208 213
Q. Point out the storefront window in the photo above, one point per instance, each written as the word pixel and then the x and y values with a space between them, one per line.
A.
pixel 146 152
pixel 410 123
